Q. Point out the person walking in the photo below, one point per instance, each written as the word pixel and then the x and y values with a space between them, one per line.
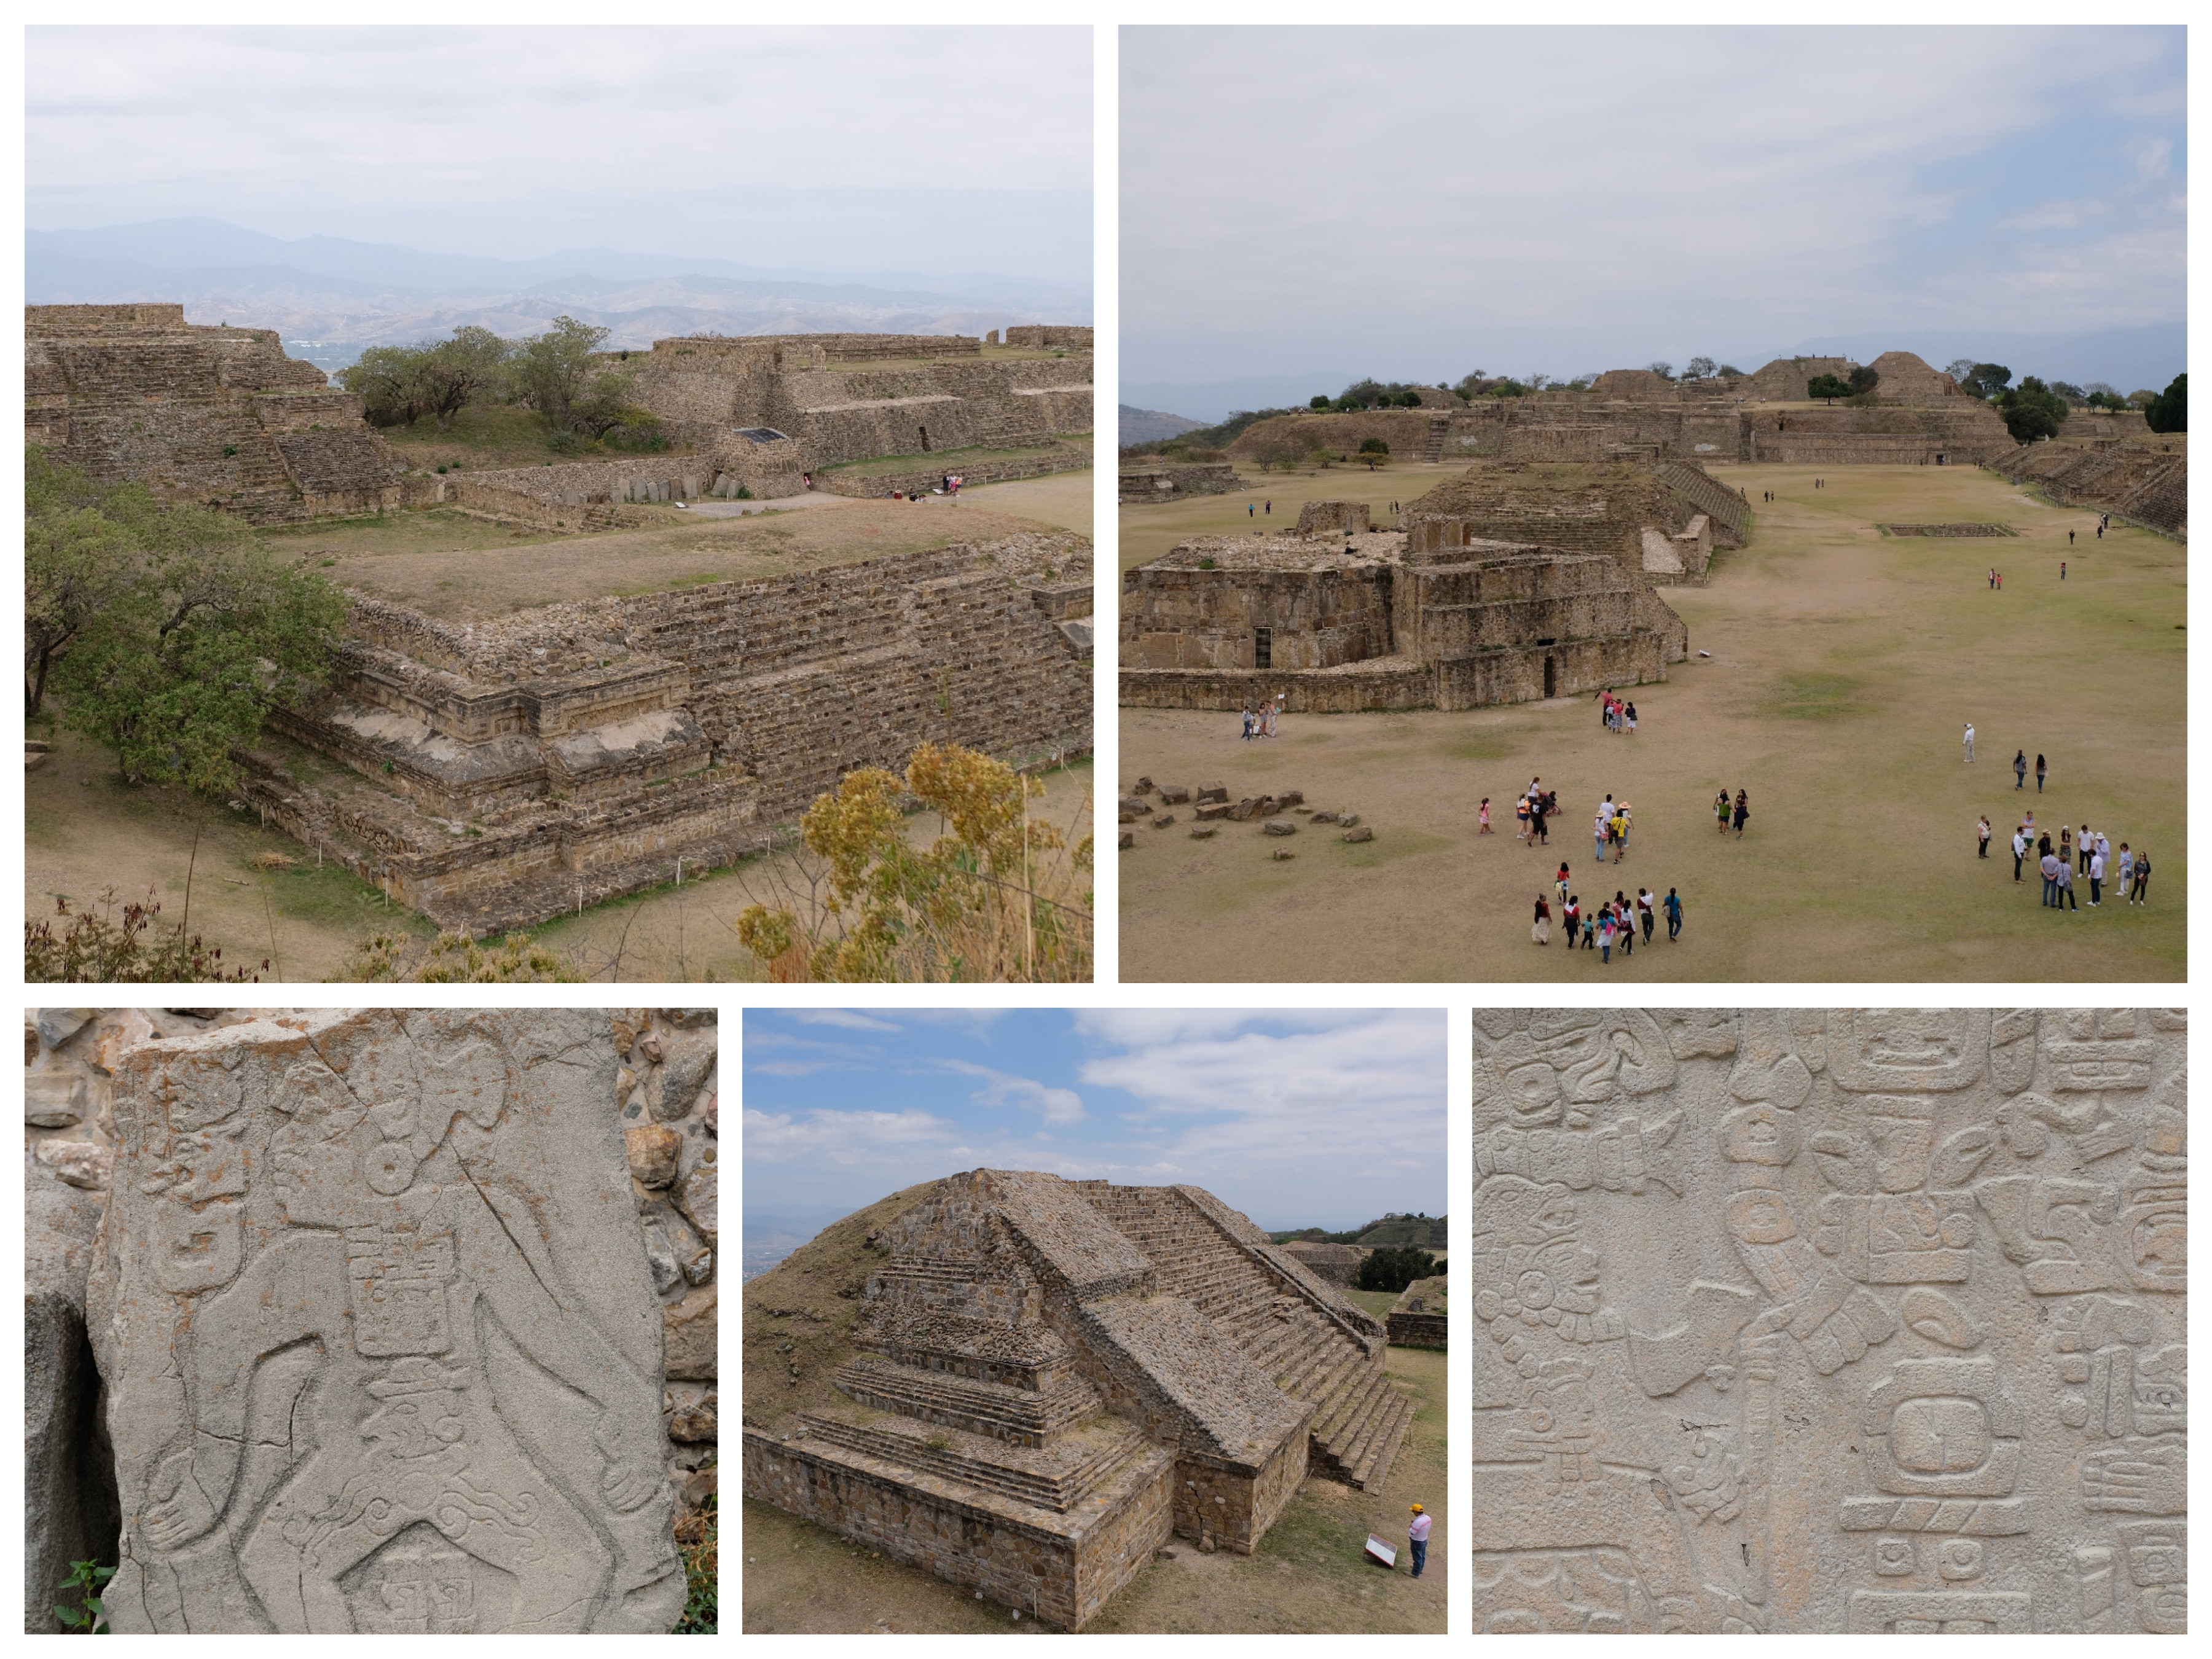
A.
pixel 1521 812
pixel 1271 509
pixel 1993 578
pixel 1539 807
pixel 1742 812
pixel 1250 510
pixel 1601 828
pixel 2051 866
pixel 1620 832
pixel 1721 810
pixel 1559 883
pixel 1985 852
pixel 2020 769
pixel 2040 768
pixel 1542 931
pixel 1674 915
pixel 1589 928
pixel 1645 913
pixel 1418 1535
pixel 1605 937
pixel 1570 912
pixel 2096 879
pixel 1970 743
pixel 1248 722
pixel 2019 852
pixel 1483 814
pixel 2140 893
pixel 2066 887
pixel 1632 720
pixel 2062 564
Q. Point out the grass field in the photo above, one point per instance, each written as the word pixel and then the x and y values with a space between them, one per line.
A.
pixel 951 460
pixel 1307 1574
pixel 1844 666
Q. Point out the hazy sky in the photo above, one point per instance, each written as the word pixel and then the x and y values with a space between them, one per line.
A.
pixel 1297 1118
pixel 1419 201
pixel 935 149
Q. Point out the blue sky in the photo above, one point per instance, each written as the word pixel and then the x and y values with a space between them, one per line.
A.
pixel 943 149
pixel 1297 1118
pixel 1417 203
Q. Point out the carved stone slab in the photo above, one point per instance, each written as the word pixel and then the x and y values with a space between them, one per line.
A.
pixel 1868 1320
pixel 381 1349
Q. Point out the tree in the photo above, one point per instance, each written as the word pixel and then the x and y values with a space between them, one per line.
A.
pixel 2142 399
pixel 1959 369
pixel 1730 371
pixel 1320 401
pixel 2032 410
pixel 1986 380
pixel 1392 1269
pixel 452 375
pixel 1827 387
pixel 1664 371
pixel 76 558
pixel 388 380
pixel 202 633
pixel 551 369
pixel 1699 368
pixel 2169 411
pixel 1374 451
pixel 1862 381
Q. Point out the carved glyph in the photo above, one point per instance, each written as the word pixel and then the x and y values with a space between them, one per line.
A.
pixel 1865 1320
pixel 380 1349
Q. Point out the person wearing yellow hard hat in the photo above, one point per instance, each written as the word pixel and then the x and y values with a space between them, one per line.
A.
pixel 1418 1535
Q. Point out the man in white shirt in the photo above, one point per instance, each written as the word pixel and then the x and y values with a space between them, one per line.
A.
pixel 2096 878
pixel 1970 743
pixel 2019 851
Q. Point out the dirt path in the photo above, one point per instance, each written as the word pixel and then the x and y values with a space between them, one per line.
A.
pixel 1306 1575
pixel 1844 664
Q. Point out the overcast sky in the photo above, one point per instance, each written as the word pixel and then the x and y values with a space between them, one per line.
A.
pixel 870 148
pixel 1416 203
pixel 1297 1118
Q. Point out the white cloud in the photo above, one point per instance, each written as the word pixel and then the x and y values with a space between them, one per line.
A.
pixel 840 1138
pixel 850 1019
pixel 1053 1105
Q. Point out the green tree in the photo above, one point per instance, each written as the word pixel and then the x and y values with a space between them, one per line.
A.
pixel 552 370
pixel 1862 381
pixel 1827 387
pixel 1320 401
pixel 76 558
pixel 1393 1270
pixel 2032 411
pixel 1985 380
pixel 460 371
pixel 1699 368
pixel 1664 371
pixel 2169 411
pixel 200 634
pixel 1375 452
pixel 388 380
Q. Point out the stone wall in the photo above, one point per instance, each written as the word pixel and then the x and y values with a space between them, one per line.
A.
pixel 215 415
pixel 1162 481
pixel 664 1096
pixel 503 770
pixel 922 480
pixel 1049 338
pixel 2145 481
pixel 1333 1263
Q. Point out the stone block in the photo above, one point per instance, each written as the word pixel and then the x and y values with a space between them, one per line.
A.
pixel 58 1025
pixel 1143 786
pixel 1173 794
pixel 1323 817
pixel 686 1059
pixel 1163 821
pixel 695 1257
pixel 1288 799
pixel 691 1412
pixel 652 1152
pixel 1363 833
pixel 422 1389
pixel 1129 840
pixel 1347 819
pixel 1132 808
pixel 1216 809
pixel 695 1196
pixel 1204 832
pixel 1923 1367
pixel 1283 854
pixel 1278 827
pixel 1213 792
pixel 660 1256
pixel 691 1327
pixel 54 1098
pixel 77 1162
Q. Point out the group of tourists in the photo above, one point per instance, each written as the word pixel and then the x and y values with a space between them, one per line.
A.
pixel 1609 923
pixel 1619 716
pixel 1610 829
pixel 2089 855
pixel 1260 722
pixel 1737 812
pixel 1535 805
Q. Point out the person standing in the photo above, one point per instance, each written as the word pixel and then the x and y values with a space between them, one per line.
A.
pixel 1970 743
pixel 1521 812
pixel 1542 931
pixel 2140 893
pixel 1605 937
pixel 2065 845
pixel 2051 866
pixel 1645 913
pixel 1674 915
pixel 1721 810
pixel 1418 1535
pixel 1632 720
pixel 1248 722
pixel 1250 511
pixel 1985 852
pixel 1271 509
pixel 2040 768
pixel 2019 851
pixel 2085 847
pixel 2020 769
pixel 1742 812
pixel 2096 879
pixel 2066 887
pixel 2127 870
pixel 2062 564
pixel 1539 807
pixel 1589 928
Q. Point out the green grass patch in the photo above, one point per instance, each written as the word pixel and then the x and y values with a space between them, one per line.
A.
pixel 1388 848
pixel 1813 697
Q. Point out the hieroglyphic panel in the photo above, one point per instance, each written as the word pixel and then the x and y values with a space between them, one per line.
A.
pixel 1868 1320
pixel 380 1349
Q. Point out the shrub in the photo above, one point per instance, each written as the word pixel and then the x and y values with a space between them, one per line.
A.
pixel 133 948
pixel 1392 1270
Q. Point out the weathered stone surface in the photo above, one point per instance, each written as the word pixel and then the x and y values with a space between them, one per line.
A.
pixel 691 1412
pixel 695 1196
pixel 1163 821
pixel 1216 809
pixel 1173 794
pixel 652 1152
pixel 78 1163
pixel 53 1099
pixel 691 1327
pixel 1324 818
pixel 695 1257
pixel 1283 854
pixel 1204 832
pixel 1363 833
pixel 685 1019
pixel 686 1058
pixel 1143 786
pixel 1829 1320
pixel 661 1257
pixel 380 1345
pixel 1278 827
pixel 1347 819
pixel 58 1025
pixel 1129 840
pixel 1213 792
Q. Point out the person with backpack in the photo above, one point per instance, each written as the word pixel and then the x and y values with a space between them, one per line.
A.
pixel 1674 915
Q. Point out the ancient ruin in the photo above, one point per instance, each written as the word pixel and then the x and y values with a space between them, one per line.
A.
pixel 381 1348
pixel 1419 1318
pixel 1516 581
pixel 498 773
pixel 1333 1263
pixel 1050 1376
pixel 1862 1321
pixel 220 415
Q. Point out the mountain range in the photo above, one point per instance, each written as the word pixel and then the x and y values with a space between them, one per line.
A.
pixel 330 297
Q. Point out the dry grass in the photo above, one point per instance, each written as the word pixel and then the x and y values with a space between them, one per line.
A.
pixel 1844 664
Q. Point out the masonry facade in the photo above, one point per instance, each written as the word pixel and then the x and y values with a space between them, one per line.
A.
pixel 220 417
pixel 1057 1376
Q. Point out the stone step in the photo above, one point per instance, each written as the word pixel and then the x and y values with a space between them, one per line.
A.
pixel 1022 1417
pixel 1055 1477
pixel 1374 1467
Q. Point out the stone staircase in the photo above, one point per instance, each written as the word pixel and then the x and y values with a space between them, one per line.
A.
pixel 1438 428
pixel 1360 1419
pixel 1055 1477
pixel 1709 495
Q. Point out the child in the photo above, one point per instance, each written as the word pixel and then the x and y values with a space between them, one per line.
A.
pixel 1486 816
